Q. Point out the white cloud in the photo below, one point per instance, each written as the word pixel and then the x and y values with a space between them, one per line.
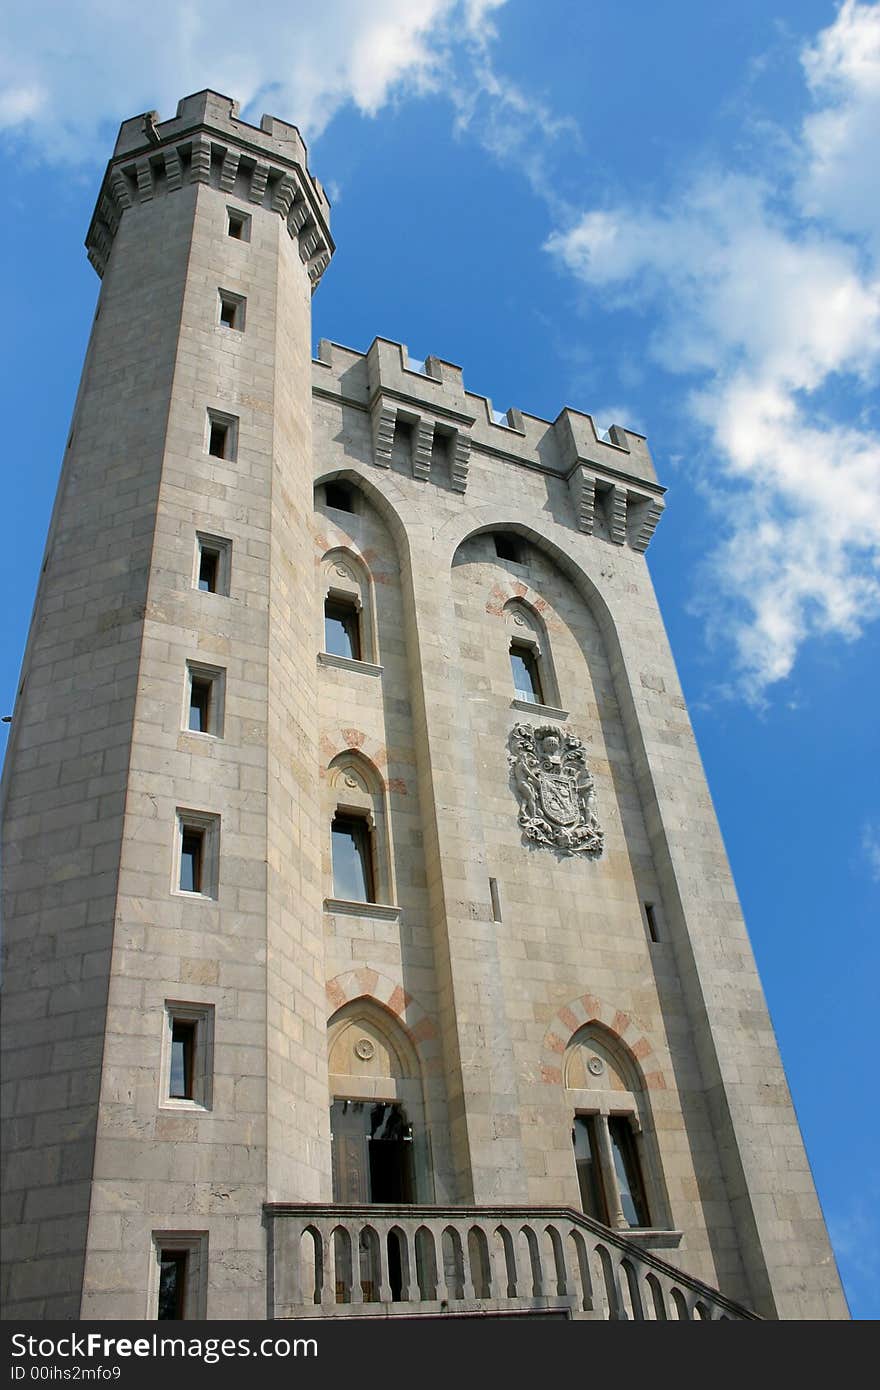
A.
pixel 101 62
pixel 842 68
pixel 776 316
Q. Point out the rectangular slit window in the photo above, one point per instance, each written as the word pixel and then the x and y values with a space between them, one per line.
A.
pixel 208 563
pixel 200 705
pixel 212 569
pixel 232 311
pixel 205 699
pixel 496 899
pixel 192 844
pixel 218 441
pixel 183 1045
pixel 238 224
pixel 651 918
pixel 172 1284
pixel 222 435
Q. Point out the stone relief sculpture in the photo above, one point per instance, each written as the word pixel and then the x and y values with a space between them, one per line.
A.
pixel 557 798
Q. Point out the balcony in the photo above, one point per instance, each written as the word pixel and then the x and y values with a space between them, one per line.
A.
pixel 395 1261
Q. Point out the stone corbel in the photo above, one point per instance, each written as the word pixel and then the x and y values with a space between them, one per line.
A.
pixel 460 460
pixel 383 418
pixel 644 514
pixel 582 489
pixel 422 447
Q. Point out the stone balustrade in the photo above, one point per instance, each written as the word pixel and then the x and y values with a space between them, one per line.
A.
pixel 386 1261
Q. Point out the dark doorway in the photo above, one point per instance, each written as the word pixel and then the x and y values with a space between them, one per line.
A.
pixel 372 1152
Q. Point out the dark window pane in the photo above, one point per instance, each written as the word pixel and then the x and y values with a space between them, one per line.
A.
pixel 182 1050
pixel 200 705
pixel 191 861
pixel 338 497
pixel 342 630
pixel 626 1166
pixel 217 442
pixel 208 563
pixel 526 681
pixel 586 1157
pixel 227 312
pixel 172 1283
pixel 509 547
pixel 352 867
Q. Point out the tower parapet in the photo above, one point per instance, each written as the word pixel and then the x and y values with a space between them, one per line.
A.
pixel 205 142
pixel 612 482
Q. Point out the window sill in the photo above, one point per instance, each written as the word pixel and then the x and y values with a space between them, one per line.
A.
pixel 653 1240
pixel 197 897
pixel 529 707
pixel 347 663
pixel 385 912
pixel 187 1107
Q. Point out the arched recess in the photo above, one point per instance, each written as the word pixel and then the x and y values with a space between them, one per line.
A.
pixel 380 1104
pixel 599 1056
pixel 526 633
pixel 347 587
pixel 356 795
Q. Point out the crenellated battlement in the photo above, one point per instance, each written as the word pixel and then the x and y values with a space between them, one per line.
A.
pixel 428 399
pixel 206 143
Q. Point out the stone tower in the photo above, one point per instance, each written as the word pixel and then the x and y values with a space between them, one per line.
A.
pixel 371 945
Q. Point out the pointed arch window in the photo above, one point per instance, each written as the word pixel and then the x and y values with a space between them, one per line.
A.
pixel 531 663
pixel 614 1148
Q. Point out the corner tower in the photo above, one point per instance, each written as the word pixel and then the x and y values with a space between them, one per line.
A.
pixel 172 582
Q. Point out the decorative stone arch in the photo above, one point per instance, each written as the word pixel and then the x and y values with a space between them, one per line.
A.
pixel 404 518
pixel 367 982
pixel 629 1033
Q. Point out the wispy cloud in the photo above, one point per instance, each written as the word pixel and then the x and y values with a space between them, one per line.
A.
pixel 305 60
pixel 854 1228
pixel 767 294
pixel 871 848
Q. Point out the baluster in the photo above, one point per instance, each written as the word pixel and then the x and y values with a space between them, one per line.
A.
pixel 467 1276
pixel 382 1273
pixel 436 1231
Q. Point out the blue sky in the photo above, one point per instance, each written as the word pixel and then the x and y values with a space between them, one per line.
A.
pixel 661 214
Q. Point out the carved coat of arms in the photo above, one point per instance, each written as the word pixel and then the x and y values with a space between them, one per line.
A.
pixel 557 799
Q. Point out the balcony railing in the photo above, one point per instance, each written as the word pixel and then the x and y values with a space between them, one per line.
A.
pixel 387 1261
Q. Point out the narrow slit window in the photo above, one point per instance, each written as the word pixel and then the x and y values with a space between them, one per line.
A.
pixel 352 860
pixel 651 918
pixel 213 555
pixel 232 308
pixel 200 692
pixel 238 224
pixel 218 441
pixel 208 565
pixel 172 1284
pixel 526 675
pixel 192 851
pixel 183 1047
pixel 342 629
